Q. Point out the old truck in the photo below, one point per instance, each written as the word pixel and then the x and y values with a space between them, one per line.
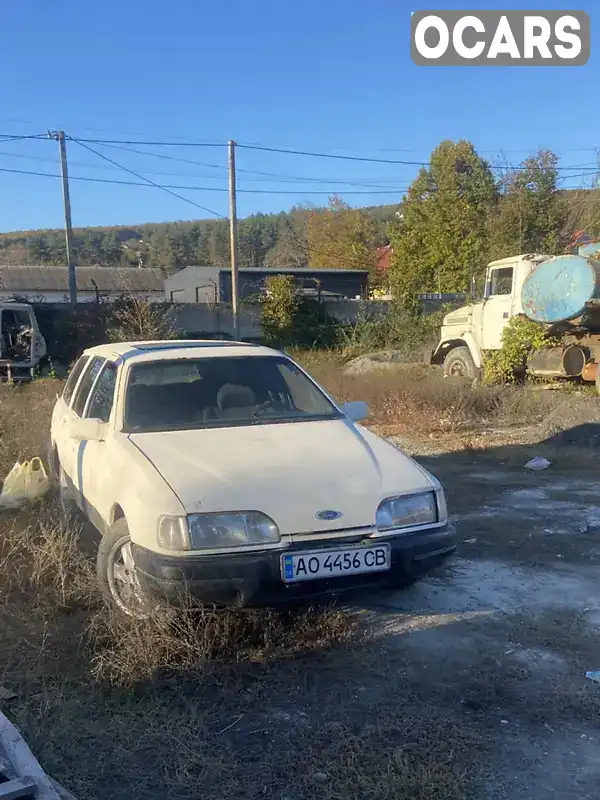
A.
pixel 23 349
pixel 562 293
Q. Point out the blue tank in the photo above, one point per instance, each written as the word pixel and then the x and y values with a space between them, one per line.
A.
pixel 561 288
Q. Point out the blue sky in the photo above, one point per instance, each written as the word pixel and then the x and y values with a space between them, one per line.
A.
pixel 331 76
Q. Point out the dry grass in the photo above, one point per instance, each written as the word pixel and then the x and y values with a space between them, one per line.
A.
pixel 417 399
pixel 238 706
pixel 222 705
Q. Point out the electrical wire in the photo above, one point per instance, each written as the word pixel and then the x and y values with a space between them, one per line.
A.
pixel 220 189
pixel 369 160
pixel 283 178
pixel 166 187
pixel 148 181
pixel 8 137
pixel 151 144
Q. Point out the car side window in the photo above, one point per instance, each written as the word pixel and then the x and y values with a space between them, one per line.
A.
pixel 502 281
pixel 101 401
pixel 73 378
pixel 86 383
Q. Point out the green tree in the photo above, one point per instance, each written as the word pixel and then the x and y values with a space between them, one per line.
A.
pixel 440 238
pixel 341 237
pixel 533 213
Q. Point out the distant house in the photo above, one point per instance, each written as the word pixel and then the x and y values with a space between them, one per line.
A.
pixel 384 256
pixel 213 284
pixel 51 284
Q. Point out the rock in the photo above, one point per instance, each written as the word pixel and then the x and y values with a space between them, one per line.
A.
pixel 384 359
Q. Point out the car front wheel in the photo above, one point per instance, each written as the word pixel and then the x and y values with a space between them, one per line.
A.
pixel 116 573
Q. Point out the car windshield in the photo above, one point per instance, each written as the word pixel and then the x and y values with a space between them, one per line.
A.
pixel 221 392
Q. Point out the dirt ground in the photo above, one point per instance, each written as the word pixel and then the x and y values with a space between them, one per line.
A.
pixel 471 684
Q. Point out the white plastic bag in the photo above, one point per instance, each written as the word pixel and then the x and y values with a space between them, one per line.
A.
pixel 538 463
pixel 25 482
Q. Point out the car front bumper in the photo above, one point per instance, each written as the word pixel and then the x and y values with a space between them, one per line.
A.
pixel 254 579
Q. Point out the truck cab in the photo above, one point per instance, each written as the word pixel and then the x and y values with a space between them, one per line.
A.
pixel 471 330
pixel 22 346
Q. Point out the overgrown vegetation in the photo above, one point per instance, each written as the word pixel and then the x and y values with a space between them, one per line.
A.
pixel 408 330
pixel 521 337
pixel 290 319
pixel 134 319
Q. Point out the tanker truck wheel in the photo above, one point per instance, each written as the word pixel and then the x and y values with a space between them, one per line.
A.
pixel 459 364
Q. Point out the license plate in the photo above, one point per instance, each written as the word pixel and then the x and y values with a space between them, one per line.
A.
pixel 309 566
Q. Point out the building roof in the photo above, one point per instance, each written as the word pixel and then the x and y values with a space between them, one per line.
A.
pixel 30 280
pixel 204 271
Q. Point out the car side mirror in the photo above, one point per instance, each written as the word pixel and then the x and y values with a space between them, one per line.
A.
pixel 88 430
pixel 356 410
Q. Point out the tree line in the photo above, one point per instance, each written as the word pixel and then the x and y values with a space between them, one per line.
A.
pixel 457 215
pixel 301 237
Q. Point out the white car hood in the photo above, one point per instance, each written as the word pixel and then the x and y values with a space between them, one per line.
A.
pixel 289 471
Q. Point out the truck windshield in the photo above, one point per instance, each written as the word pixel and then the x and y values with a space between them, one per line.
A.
pixel 221 392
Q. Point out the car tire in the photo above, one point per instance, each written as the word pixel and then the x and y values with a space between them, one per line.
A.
pixel 117 578
pixel 459 364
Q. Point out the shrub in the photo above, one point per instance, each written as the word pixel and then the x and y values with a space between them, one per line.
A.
pixel 520 338
pixel 401 328
pixel 288 319
pixel 135 319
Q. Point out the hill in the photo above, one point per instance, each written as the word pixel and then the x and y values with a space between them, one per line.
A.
pixel 264 239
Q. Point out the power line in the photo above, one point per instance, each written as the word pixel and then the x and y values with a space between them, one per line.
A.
pixel 166 187
pixel 284 178
pixel 151 144
pixel 147 180
pixel 372 160
pixel 220 189
pixel 7 137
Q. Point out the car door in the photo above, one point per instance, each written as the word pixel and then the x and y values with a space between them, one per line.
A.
pixel 497 308
pixel 71 454
pixel 96 463
pixel 62 445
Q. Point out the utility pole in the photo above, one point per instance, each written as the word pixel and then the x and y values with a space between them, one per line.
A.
pixel 233 241
pixel 60 138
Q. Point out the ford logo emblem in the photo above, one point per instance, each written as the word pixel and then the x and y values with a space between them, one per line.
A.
pixel 328 515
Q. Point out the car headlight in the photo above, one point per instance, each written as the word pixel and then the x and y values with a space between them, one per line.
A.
pixel 209 531
pixel 402 512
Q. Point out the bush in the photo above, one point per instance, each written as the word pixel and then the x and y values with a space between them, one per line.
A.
pixel 290 320
pixel 520 338
pixel 133 319
pixel 400 329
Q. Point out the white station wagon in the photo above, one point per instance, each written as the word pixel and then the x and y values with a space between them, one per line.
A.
pixel 219 471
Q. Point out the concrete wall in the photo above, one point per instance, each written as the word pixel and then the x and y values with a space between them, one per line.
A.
pixel 82 297
pixel 212 320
